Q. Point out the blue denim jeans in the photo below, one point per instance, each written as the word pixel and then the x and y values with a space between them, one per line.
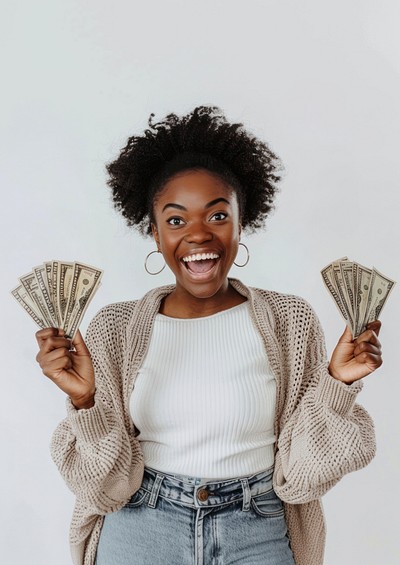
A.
pixel 178 520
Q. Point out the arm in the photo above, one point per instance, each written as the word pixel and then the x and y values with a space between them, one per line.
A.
pixel 327 434
pixel 93 448
pixel 96 457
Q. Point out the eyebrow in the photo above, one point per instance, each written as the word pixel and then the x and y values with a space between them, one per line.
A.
pixel 209 205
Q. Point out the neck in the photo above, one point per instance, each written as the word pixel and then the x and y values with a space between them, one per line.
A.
pixel 182 304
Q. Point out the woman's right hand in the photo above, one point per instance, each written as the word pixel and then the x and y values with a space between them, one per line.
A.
pixel 71 370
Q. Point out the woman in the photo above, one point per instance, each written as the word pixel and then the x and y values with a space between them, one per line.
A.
pixel 204 421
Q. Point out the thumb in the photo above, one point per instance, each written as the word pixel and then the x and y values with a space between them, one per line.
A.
pixel 79 344
pixel 347 336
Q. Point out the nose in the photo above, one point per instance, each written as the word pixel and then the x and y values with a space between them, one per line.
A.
pixel 199 233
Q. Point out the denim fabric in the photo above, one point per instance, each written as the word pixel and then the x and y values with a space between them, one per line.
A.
pixel 177 520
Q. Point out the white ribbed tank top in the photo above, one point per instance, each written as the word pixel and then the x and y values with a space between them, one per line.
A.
pixel 204 398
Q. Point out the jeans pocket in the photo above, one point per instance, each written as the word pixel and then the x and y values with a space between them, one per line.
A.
pixel 267 504
pixel 137 499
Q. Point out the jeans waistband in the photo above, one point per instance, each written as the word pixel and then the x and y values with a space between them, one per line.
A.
pixel 198 493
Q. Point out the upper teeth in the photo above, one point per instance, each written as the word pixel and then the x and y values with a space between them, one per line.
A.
pixel 200 257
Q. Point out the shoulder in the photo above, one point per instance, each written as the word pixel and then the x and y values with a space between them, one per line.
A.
pixel 291 312
pixel 287 314
pixel 270 296
pixel 119 315
pixel 280 299
pixel 118 312
pixel 295 323
pixel 286 305
pixel 282 307
pixel 107 329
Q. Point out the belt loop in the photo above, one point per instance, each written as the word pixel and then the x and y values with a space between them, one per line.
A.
pixel 155 490
pixel 246 495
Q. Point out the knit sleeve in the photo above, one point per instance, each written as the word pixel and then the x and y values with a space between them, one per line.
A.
pixel 325 433
pixel 93 449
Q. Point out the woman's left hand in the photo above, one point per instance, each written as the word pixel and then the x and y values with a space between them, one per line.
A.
pixel 354 359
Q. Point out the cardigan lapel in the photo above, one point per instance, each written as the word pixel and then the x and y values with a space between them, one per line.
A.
pixel 265 323
pixel 138 335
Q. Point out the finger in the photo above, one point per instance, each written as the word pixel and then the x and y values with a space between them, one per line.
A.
pixel 375 326
pixel 52 342
pixel 52 371
pixel 80 345
pixel 367 347
pixel 46 357
pixel 369 359
pixel 346 336
pixel 368 336
pixel 56 353
pixel 44 334
pixel 55 361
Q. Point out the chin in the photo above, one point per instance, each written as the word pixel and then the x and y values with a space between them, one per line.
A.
pixel 204 290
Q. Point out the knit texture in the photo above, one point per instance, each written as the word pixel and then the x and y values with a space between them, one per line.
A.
pixel 322 433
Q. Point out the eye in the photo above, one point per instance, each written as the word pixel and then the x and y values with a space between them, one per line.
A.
pixel 175 221
pixel 218 216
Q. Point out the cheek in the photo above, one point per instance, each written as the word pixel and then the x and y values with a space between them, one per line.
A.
pixel 231 243
pixel 168 242
pixel 235 233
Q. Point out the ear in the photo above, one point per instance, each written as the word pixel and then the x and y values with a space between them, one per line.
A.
pixel 156 237
pixel 240 231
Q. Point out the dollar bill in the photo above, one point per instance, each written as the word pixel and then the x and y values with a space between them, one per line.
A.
pixel 23 298
pixel 49 269
pixel 342 290
pixel 31 285
pixel 347 270
pixel 363 284
pixel 84 283
pixel 380 288
pixel 57 293
pixel 330 283
pixel 359 292
pixel 41 278
pixel 64 277
pixel 54 291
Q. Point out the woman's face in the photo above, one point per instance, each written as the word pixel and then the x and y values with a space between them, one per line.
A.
pixel 197 229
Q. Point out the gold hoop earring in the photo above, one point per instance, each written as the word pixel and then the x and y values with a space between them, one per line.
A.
pixel 145 263
pixel 248 256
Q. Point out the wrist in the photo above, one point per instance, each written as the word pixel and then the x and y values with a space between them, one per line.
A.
pixel 337 377
pixel 83 403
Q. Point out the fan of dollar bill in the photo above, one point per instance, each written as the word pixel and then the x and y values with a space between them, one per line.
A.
pixel 57 293
pixel 359 293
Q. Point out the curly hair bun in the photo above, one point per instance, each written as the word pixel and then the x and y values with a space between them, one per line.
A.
pixel 202 139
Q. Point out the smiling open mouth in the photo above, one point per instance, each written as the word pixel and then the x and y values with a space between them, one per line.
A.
pixel 200 263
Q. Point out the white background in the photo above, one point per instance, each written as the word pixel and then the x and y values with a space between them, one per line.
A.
pixel 318 80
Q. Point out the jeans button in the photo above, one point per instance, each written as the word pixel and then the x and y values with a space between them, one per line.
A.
pixel 203 494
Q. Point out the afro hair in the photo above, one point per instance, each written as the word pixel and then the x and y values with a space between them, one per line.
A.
pixel 202 139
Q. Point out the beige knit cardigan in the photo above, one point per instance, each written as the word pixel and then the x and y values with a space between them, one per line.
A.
pixel 322 433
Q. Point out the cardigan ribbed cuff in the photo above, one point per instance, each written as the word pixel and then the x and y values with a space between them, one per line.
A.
pixel 88 425
pixel 338 395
